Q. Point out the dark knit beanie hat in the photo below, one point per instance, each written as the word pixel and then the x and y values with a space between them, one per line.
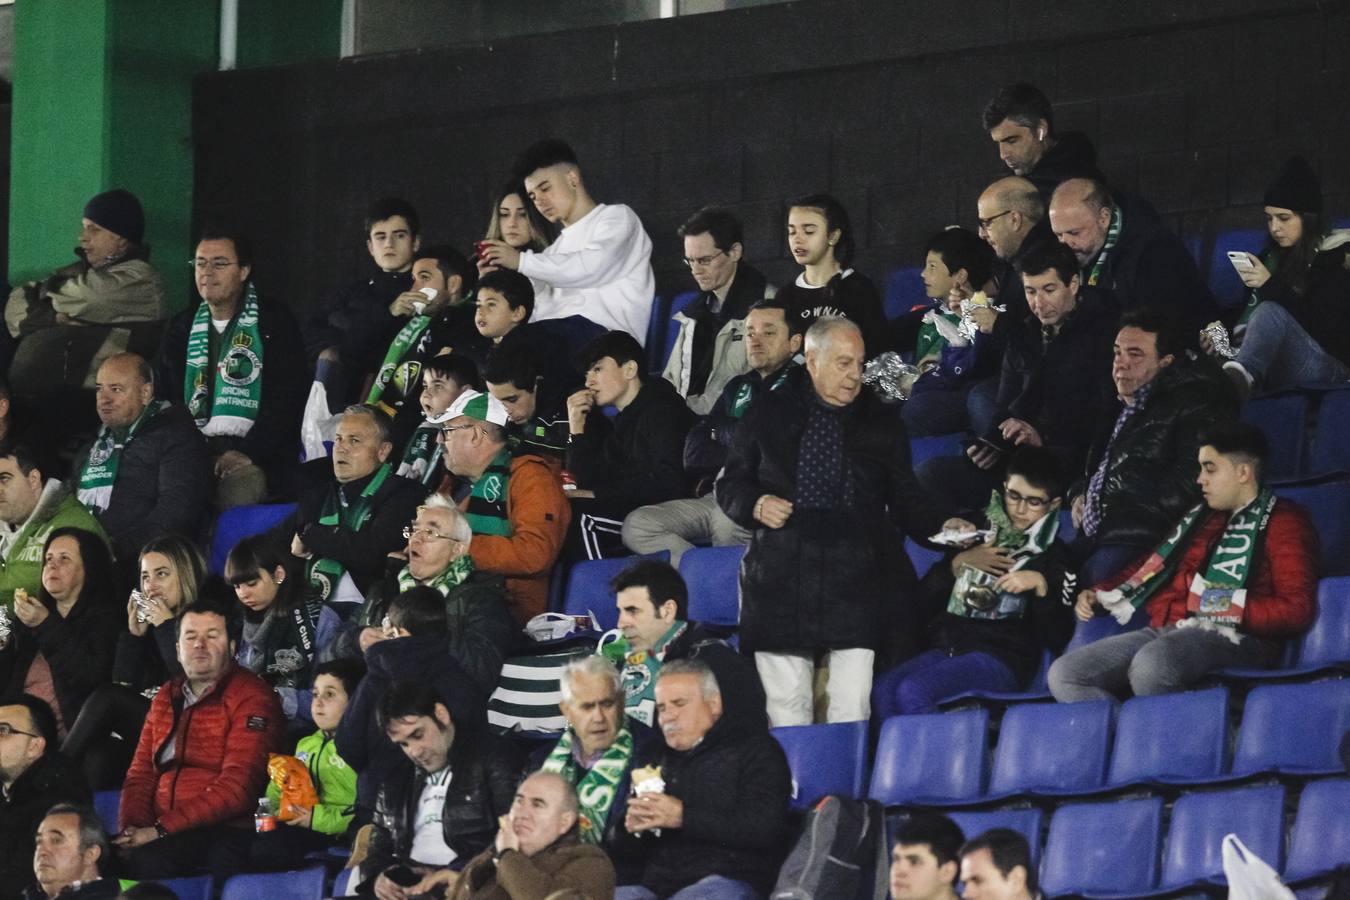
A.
pixel 1296 188
pixel 118 211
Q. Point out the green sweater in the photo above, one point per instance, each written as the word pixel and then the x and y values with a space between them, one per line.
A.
pixel 334 780
pixel 21 565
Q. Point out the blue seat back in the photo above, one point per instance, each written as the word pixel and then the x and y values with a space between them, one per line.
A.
pixel 922 449
pixel 1196 724
pixel 1326 505
pixel 1194 852
pixel 1224 282
pixel 588 590
pixel 1052 747
pixel 1321 838
pixel 1026 822
pixel 671 329
pixel 825 759
pixel 921 557
pixel 1283 418
pixel 1293 728
pixel 655 345
pixel 1103 848
pixel 712 575
pixel 305 884
pixel 904 291
pixel 240 522
pixel 932 758
pixel 1327 643
pixel 196 887
pixel 107 804
pixel 1330 450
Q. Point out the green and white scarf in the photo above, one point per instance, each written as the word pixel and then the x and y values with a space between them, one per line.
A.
pixel 451 578
pixel 1112 238
pixel 1217 596
pixel 486 511
pixel 397 369
pixel 931 340
pixel 596 789
pixel 323 574
pixel 1023 546
pixel 746 392
pixel 639 676
pixel 421 459
pixel 229 405
pixel 100 468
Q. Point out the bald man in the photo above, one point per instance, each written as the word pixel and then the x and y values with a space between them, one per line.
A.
pixel 147 471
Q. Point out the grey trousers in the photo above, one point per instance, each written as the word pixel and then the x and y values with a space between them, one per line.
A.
pixel 677 525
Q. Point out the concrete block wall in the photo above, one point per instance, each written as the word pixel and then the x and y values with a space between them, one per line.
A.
pixel 1193 103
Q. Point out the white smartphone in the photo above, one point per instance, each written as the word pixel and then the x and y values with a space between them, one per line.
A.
pixel 1241 261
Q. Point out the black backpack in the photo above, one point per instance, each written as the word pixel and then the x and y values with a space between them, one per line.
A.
pixel 840 854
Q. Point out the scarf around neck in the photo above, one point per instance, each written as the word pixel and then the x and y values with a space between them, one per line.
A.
pixel 973 596
pixel 598 787
pixel 229 404
pixel 99 474
pixel 323 574
pixel 454 575
pixel 1112 238
pixel 486 509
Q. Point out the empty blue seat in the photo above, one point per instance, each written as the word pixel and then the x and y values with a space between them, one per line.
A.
pixel 1196 725
pixel 904 291
pixel 1224 281
pixel 195 887
pixel 1052 749
pixel 1194 852
pixel 1283 418
pixel 1321 838
pixel 588 590
pixel 107 804
pixel 1326 505
pixel 1293 729
pixel 931 759
pixel 712 575
pixel 1026 822
pixel 1330 449
pixel 238 523
pixel 1103 849
pixel 825 759
pixel 305 884
pixel 925 448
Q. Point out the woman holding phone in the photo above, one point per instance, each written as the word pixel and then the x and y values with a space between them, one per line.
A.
pixel 1295 325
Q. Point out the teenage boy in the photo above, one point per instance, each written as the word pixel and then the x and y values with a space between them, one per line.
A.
pixel 534 399
pixel 925 860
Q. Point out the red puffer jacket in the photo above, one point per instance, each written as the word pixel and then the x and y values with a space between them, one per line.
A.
pixel 219 765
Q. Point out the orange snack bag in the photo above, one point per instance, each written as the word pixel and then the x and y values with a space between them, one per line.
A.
pixel 291 777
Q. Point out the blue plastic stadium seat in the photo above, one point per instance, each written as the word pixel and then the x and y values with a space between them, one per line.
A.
pixel 588 590
pixel 240 522
pixel 1293 729
pixel 712 575
pixel 1321 838
pixel 825 759
pixel 904 291
pixel 1026 822
pixel 1194 853
pixel 305 884
pixel 1196 724
pixel 196 887
pixel 931 759
pixel 925 448
pixel 340 882
pixel 1325 646
pixel 1224 282
pixel 1052 749
pixel 921 557
pixel 1326 505
pixel 107 804
pixel 1103 849
pixel 655 344
pixel 1283 418
pixel 1330 450
pixel 1034 691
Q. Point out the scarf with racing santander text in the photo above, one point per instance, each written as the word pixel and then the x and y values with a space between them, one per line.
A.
pixel 1023 545
pixel 421 460
pixel 597 788
pixel 100 469
pixel 323 574
pixel 486 511
pixel 1217 597
pixel 396 368
pixel 229 404
pixel 283 644
pixel 1112 238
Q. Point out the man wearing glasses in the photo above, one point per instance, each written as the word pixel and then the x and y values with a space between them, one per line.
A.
pixel 710 348
pixel 231 362
pixel 516 508
pixel 33 779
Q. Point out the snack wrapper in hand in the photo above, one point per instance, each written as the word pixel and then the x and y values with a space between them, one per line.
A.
pixel 291 777
pixel 648 780
pixel 1218 339
pixel 5 628
pixel 979 299
pixel 890 375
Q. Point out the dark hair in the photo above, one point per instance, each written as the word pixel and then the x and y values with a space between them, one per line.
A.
pixel 1295 261
pixel 348 671
pixel 513 364
pixel 44 720
pixel 963 249
pixel 717 221
pixel 1040 467
pixel 1046 255
pixel 1009 850
pixel 661 580
pixel 941 834
pixel 515 288
pixel 404 699
pixel 1023 103
pixel 96 558
pixel 92 833
pixel 25 457
pixel 795 323
pixel 1239 439
pixel 388 207
pixel 421 610
pixel 542 155
pixel 224 231
pixel 216 599
pixel 619 346
pixel 836 217
pixel 451 262
pixel 454 365
pixel 148 890
pixel 259 553
pixel 1159 322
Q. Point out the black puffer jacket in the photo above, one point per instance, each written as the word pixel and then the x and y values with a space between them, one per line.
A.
pixel 1150 480
pixel 484 772
pixel 827 589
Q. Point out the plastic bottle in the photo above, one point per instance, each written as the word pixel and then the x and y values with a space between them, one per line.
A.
pixel 264 819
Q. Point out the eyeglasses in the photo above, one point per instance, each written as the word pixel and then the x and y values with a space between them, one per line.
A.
pixel 429 534
pixel 703 261
pixel 1016 499
pixel 7 729
pixel 446 429
pixel 984 223
pixel 218 265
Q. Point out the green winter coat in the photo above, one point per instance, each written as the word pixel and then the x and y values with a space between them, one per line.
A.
pixel 334 780
pixel 21 565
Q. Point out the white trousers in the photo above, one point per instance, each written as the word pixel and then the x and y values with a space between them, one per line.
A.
pixel 788 679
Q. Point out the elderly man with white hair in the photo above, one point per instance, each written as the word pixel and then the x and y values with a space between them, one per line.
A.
pixel 437 554
pixel 822 475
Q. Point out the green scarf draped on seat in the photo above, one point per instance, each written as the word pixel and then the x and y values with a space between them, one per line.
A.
pixel 229 404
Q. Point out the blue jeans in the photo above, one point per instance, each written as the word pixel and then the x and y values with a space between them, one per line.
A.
pixel 714 887
pixel 1278 353
pixel 918 685
pixel 981 405
pixel 1103 562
